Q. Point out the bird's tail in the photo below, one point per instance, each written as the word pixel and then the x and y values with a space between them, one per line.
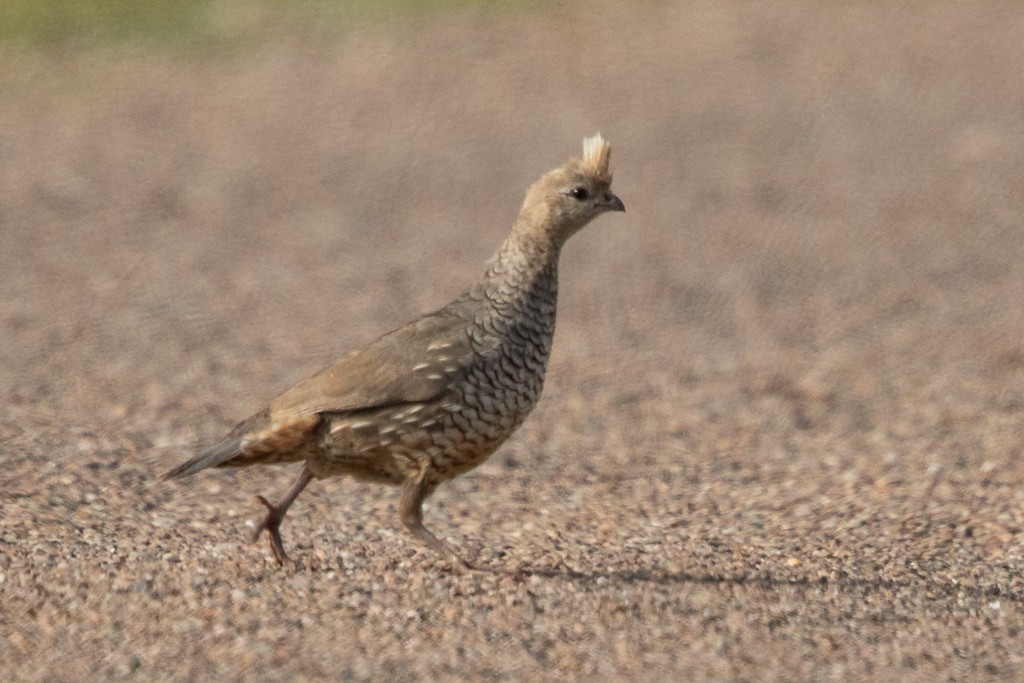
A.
pixel 218 454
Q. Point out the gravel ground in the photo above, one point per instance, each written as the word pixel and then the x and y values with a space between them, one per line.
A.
pixel 780 438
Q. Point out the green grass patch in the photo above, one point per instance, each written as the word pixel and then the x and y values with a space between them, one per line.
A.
pixel 44 23
pixel 29 24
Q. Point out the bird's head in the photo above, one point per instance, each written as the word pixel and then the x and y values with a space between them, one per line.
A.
pixel 567 198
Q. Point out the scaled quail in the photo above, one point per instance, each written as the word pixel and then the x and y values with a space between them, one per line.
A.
pixel 434 398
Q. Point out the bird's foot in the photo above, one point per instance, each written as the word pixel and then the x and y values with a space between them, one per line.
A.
pixel 461 567
pixel 272 525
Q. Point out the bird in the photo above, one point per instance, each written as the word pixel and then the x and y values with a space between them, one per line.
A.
pixel 436 397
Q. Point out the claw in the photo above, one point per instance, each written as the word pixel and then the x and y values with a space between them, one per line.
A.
pixel 272 525
pixel 275 514
pixel 462 568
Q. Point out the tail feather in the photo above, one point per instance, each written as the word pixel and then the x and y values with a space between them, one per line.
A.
pixel 217 454
pixel 224 450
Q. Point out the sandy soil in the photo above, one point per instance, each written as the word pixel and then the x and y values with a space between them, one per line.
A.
pixel 780 438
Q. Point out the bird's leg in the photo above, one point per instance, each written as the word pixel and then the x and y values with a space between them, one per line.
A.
pixel 411 513
pixel 275 515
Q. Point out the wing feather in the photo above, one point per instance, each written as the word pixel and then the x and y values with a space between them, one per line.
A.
pixel 413 364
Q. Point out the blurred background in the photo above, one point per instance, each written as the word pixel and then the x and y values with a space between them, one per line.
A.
pixel 243 187
pixel 811 311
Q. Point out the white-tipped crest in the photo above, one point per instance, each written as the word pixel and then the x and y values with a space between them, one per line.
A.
pixel 597 156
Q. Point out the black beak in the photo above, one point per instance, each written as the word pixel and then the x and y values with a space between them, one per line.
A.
pixel 612 203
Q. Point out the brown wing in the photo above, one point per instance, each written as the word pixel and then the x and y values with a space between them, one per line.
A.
pixel 412 364
pixel 409 365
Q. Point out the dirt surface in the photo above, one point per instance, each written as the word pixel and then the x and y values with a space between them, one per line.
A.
pixel 781 434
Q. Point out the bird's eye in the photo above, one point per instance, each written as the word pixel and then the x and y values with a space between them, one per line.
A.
pixel 579 193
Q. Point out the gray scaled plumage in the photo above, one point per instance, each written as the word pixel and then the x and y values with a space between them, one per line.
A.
pixel 434 398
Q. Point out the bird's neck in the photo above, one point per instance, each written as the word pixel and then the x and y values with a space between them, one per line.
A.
pixel 526 267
